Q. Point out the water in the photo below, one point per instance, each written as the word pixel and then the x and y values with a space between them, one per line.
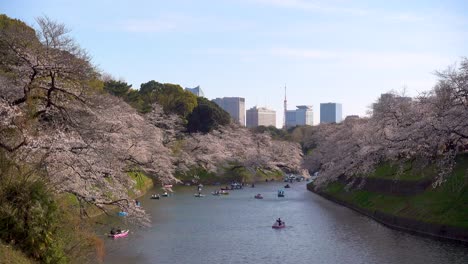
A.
pixel 236 228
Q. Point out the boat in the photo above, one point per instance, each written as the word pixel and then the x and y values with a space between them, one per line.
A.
pixel 199 195
pixel 121 213
pixel 124 233
pixel 280 193
pixel 277 226
pixel 165 194
pixel 155 196
pixel 224 192
pixel 258 196
pixel 217 193
pixel 287 186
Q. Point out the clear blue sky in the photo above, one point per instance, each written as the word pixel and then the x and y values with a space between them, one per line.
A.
pixel 324 51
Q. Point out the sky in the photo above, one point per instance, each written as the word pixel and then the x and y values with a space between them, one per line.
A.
pixel 341 51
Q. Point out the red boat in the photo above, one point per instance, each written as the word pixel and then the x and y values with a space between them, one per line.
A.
pixel 124 233
pixel 277 226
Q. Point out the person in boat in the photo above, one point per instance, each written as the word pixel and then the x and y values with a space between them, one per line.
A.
pixel 279 221
pixel 112 232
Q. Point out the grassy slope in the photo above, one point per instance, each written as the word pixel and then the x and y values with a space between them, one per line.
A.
pixel 9 255
pixel 447 204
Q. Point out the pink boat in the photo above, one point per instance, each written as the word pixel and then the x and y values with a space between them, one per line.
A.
pixel 276 226
pixel 124 233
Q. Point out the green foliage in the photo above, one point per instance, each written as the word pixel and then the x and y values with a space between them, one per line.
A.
pixel 202 176
pixel 45 227
pixel 172 97
pixel 206 117
pixel 274 132
pixel 409 172
pixel 10 255
pixel 117 88
pixel 143 182
pixel 446 204
pixel 29 216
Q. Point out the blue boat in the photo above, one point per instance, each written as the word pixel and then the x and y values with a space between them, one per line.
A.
pixel 280 193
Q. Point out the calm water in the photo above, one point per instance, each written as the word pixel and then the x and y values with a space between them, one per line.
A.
pixel 236 228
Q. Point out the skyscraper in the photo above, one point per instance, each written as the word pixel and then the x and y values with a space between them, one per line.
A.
pixel 235 106
pixel 303 115
pixel 196 91
pixel 260 116
pixel 330 113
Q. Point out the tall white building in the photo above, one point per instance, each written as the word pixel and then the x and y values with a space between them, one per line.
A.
pixel 303 115
pixel 235 106
pixel 261 116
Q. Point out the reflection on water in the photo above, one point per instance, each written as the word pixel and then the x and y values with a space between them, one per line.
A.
pixel 236 228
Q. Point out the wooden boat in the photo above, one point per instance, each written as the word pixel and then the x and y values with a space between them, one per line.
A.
pixel 276 226
pixel 124 233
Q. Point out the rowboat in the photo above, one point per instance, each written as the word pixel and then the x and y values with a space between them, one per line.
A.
pixel 124 233
pixel 121 213
pixel 277 226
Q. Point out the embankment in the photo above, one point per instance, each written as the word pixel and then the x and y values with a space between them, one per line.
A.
pixel 408 204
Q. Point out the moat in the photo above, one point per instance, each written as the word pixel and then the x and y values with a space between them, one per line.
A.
pixel 236 228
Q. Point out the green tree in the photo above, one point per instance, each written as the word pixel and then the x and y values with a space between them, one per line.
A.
pixel 206 117
pixel 172 97
pixel 117 88
pixel 29 216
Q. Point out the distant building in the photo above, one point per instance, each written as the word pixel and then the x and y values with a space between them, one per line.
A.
pixel 351 117
pixel 235 106
pixel 303 115
pixel 196 91
pixel 330 113
pixel 261 116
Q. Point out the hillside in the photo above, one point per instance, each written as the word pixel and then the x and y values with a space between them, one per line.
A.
pixel 72 145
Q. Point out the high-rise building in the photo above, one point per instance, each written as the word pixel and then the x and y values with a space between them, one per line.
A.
pixel 196 91
pixel 330 113
pixel 260 116
pixel 235 106
pixel 303 115
pixel 285 109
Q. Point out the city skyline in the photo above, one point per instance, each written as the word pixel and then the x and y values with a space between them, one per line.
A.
pixel 343 51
